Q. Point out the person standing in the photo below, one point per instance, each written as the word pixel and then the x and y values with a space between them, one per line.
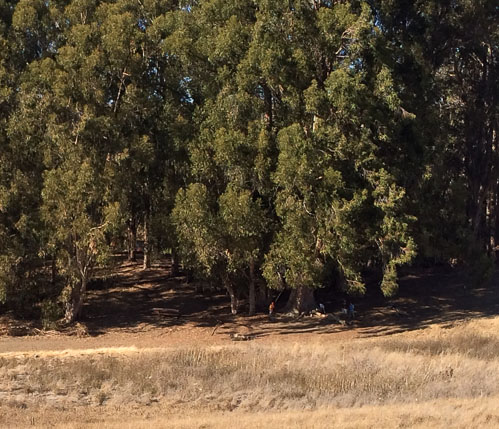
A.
pixel 351 311
pixel 271 310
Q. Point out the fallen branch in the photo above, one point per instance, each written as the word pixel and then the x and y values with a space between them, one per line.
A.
pixel 216 327
pixel 167 312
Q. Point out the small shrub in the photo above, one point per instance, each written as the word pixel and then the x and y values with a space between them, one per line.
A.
pixel 51 311
pixel 100 397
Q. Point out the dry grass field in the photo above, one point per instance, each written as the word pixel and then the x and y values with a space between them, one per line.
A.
pixel 398 371
pixel 437 377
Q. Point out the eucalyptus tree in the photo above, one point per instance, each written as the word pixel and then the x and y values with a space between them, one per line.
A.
pixel 9 251
pixel 151 110
pixel 296 108
pixel 265 139
pixel 469 80
pixel 116 101
pixel 221 239
pixel 445 61
pixel 338 199
pixel 230 153
pixel 27 35
pixel 79 141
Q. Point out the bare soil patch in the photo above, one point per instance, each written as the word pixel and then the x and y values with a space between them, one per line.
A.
pixel 131 307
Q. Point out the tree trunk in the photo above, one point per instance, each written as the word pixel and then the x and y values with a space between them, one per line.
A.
pixel 301 300
pixel 132 240
pixel 175 263
pixel 233 299
pixel 53 270
pixel 269 117
pixel 252 297
pixel 75 302
pixel 491 222
pixel 263 295
pixel 495 231
pixel 494 219
pixel 147 244
pixel 478 213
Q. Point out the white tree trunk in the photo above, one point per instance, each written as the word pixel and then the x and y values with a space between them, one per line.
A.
pixel 252 295
pixel 147 244
pixel 132 239
pixel 75 302
pixel 233 299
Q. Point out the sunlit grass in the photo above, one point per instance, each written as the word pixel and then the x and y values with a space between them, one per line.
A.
pixel 457 365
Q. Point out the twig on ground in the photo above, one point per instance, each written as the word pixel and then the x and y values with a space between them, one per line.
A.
pixel 216 327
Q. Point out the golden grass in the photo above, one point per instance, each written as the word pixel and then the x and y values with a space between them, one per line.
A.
pixel 443 413
pixel 431 378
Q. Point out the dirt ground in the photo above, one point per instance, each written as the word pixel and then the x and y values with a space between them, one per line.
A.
pixel 144 320
pixel 153 309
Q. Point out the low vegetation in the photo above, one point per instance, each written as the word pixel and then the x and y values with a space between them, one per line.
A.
pixel 455 367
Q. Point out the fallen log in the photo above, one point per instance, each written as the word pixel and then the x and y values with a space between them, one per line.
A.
pixel 167 312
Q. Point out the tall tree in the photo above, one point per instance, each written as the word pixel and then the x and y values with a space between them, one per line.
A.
pixel 79 140
pixel 27 35
pixel 444 57
pixel 151 109
pixel 338 198
pixel 229 155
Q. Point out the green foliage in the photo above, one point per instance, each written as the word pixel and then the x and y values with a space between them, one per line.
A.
pixel 196 228
pixel 396 246
pixel 230 236
pixel 280 140
pixel 51 312
pixel 481 267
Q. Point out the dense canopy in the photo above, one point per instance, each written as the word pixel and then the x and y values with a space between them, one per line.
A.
pixel 262 143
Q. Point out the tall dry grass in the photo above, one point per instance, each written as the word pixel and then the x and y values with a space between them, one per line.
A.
pixel 462 414
pixel 436 366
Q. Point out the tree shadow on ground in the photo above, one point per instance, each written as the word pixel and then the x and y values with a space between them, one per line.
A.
pixel 135 300
pixel 437 295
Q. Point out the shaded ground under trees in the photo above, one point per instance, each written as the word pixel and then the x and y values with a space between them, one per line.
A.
pixel 131 300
